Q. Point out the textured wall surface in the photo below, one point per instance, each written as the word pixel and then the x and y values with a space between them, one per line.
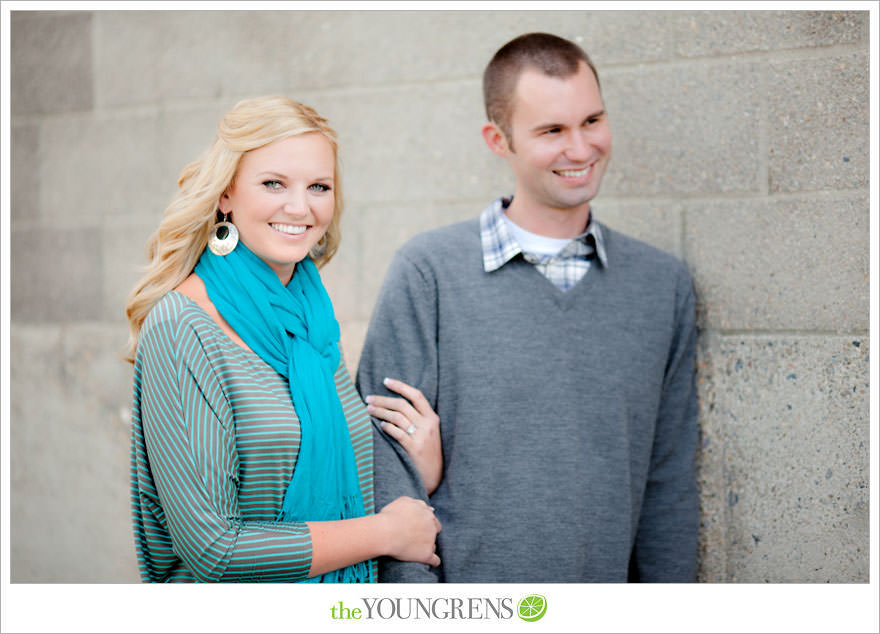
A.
pixel 741 146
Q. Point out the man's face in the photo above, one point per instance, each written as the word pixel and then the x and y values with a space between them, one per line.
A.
pixel 561 139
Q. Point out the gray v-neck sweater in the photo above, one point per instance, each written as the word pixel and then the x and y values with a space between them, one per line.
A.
pixel 568 419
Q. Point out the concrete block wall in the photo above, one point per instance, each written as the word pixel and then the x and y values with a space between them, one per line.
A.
pixel 741 146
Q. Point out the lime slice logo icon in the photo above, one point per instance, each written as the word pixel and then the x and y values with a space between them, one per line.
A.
pixel 532 607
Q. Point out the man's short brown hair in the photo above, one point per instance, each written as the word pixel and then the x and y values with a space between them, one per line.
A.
pixel 550 54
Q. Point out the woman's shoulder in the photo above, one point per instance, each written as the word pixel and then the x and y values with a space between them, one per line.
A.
pixel 178 354
pixel 172 309
pixel 177 323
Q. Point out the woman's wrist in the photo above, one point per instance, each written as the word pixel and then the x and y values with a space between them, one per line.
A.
pixel 382 532
pixel 340 543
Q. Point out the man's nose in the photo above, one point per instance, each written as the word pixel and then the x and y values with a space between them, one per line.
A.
pixel 578 147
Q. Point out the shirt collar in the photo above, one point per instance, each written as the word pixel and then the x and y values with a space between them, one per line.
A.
pixel 499 246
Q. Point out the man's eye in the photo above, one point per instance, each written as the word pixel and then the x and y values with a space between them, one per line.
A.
pixel 272 184
pixel 551 131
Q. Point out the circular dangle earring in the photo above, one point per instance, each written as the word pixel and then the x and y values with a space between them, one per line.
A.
pixel 224 237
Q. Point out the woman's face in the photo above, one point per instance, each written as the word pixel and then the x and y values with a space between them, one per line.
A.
pixel 282 199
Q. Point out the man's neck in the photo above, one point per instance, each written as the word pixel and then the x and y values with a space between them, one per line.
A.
pixel 547 221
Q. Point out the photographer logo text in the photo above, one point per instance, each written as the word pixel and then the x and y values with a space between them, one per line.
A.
pixel 530 608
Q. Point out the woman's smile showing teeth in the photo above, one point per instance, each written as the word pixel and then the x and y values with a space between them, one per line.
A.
pixel 292 230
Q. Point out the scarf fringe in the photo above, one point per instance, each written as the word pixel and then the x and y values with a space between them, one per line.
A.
pixel 361 572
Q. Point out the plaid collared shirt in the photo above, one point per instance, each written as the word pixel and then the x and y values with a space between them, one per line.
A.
pixel 565 269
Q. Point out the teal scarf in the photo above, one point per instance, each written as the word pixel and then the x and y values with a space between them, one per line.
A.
pixel 293 329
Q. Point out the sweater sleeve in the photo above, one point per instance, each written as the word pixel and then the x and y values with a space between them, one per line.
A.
pixel 401 343
pixel 666 543
pixel 190 443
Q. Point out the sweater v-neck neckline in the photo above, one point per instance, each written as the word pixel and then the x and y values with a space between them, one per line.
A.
pixel 563 299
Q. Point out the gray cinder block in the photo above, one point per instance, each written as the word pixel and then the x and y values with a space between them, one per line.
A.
pixel 342 275
pixel 51 62
pixel 124 246
pixel 413 143
pixel 781 264
pixel 170 56
pixel 57 275
pixel 24 173
pixel 700 33
pixel 818 124
pixel 657 222
pixel 788 416
pixel 99 167
pixel 687 129
pixel 70 400
pixel 352 342
pixel 412 53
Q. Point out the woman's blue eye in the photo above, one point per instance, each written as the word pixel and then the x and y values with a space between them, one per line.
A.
pixel 272 184
pixel 321 187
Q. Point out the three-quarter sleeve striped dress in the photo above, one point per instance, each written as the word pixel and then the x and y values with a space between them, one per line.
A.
pixel 214 444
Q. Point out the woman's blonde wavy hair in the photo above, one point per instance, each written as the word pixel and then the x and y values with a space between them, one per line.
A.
pixel 175 247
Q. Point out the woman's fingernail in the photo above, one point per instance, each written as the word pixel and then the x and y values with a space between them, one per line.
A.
pixel 387 381
pixel 369 399
pixel 370 409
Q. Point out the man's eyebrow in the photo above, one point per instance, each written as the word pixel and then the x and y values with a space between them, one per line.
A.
pixel 549 126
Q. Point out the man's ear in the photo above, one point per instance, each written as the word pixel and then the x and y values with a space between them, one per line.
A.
pixel 495 139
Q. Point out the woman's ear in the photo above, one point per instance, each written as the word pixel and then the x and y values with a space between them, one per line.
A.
pixel 223 204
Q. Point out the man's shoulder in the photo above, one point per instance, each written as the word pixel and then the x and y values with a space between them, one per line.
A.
pixel 449 241
pixel 626 250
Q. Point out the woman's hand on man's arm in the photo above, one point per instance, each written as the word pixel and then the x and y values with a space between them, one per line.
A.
pixel 413 423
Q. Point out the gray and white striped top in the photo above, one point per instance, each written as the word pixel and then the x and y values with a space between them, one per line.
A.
pixel 214 444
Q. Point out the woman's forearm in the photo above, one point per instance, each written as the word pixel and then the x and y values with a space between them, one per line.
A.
pixel 341 543
pixel 405 529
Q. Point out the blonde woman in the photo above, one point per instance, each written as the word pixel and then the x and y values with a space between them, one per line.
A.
pixel 251 449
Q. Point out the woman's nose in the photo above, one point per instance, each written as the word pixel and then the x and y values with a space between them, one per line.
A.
pixel 296 204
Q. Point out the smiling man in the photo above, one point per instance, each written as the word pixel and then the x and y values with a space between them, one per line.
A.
pixel 557 353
